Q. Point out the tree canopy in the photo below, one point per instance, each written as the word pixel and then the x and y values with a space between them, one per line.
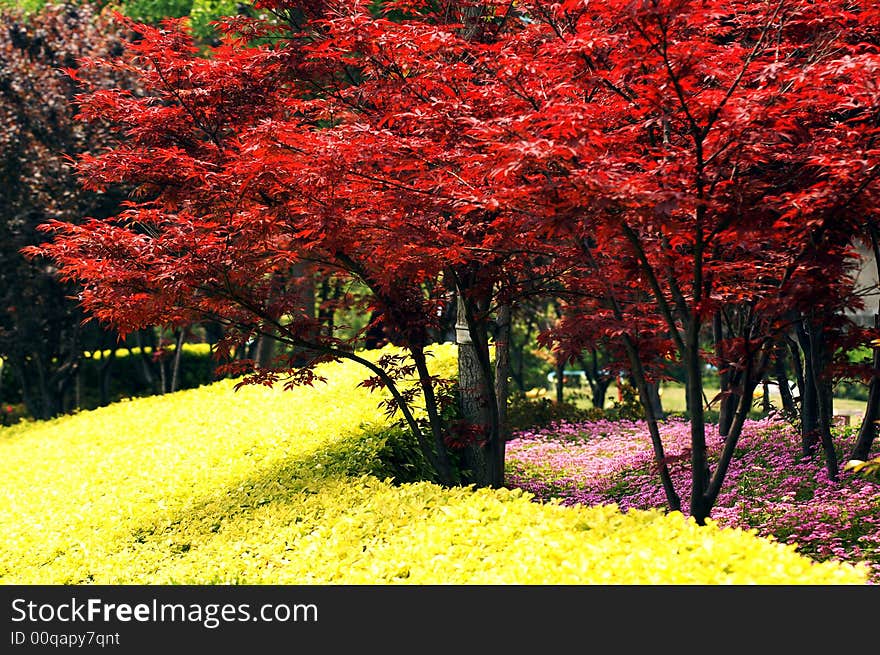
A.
pixel 664 167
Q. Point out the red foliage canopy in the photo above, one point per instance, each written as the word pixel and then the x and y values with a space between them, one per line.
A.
pixel 663 159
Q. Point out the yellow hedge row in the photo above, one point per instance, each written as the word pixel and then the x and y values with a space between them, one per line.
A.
pixel 214 486
pixel 194 348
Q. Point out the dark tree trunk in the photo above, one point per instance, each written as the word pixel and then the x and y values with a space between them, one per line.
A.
pixel 437 453
pixel 726 411
pixel 477 395
pixel 330 292
pixel 788 406
pixel 474 410
pixel 699 507
pixel 653 389
pixel 502 369
pixel 560 381
pixel 375 337
pixel 673 500
pixel 598 381
pixel 823 397
pixel 728 380
pixel 730 442
pixel 765 396
pixel 797 367
pixel 146 363
pixel 104 375
pixel 163 377
pixel 809 395
pixel 178 353
pixel 868 430
pixel 599 391
pixel 264 351
pixel 44 391
pixel 213 333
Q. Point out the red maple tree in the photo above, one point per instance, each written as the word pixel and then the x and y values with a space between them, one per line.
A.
pixel 727 163
pixel 669 162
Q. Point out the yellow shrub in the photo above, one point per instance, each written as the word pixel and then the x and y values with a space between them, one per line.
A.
pixel 214 486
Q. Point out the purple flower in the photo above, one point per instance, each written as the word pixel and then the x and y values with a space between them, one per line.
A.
pixel 769 486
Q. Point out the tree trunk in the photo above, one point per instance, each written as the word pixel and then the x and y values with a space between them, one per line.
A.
pixel 438 456
pixel 653 389
pixel 809 396
pixel 673 500
pixel 788 406
pixel 163 376
pixel 477 395
pixel 375 337
pixel 730 442
pixel 502 369
pixel 146 366
pixel 264 354
pixel 329 295
pixel 473 398
pixel 598 383
pixel 560 381
pixel 600 392
pixel 104 370
pixel 699 508
pixel 765 396
pixel 178 352
pixel 726 380
pixel 868 430
pixel 823 398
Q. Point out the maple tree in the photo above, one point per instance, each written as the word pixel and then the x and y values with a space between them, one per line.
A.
pixel 663 165
pixel 736 163
pixel 255 170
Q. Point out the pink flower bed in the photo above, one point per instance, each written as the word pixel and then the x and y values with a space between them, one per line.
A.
pixel 769 487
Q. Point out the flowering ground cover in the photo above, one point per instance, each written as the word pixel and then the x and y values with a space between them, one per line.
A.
pixel 769 488
pixel 309 486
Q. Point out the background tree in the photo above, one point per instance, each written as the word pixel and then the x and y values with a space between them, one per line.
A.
pixel 41 335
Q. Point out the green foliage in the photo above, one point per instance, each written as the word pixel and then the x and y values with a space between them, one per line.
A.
pixel 524 412
pixel 155 10
pixel 27 6
pixel 628 406
pixel 200 12
pixel 388 452
pixel 851 389
pixel 205 11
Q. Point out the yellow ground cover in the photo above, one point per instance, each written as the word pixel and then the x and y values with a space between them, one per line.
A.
pixel 214 486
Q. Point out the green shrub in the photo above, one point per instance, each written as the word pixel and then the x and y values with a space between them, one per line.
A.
pixel 200 12
pixel 628 407
pixel 852 390
pixel 381 450
pixel 127 379
pixel 524 413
